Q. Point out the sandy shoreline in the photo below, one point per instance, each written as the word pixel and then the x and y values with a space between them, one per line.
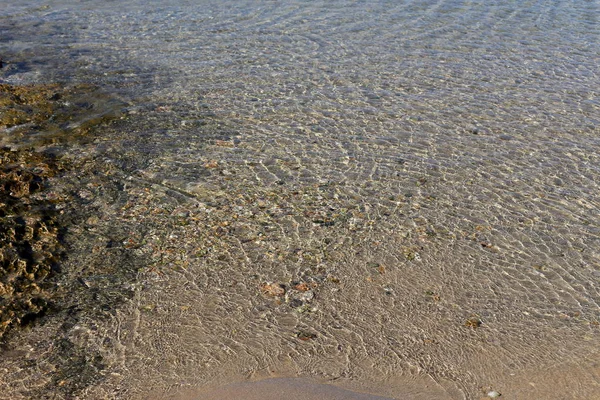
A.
pixel 276 388
pixel 280 388
pixel 564 381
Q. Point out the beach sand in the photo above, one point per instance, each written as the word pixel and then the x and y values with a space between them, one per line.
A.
pixel 282 388
pixel 561 382
pixel 289 387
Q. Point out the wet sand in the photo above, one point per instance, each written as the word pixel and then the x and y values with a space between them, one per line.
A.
pixel 282 388
pixel 560 382
pixel 292 388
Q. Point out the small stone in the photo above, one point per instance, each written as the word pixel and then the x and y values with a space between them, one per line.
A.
pixel 211 164
pixel 296 303
pixel 493 394
pixel 304 335
pixel 224 143
pixel 307 296
pixel 473 322
pixel 93 220
pixel 305 309
pixel 302 287
pixel 148 307
pixel 272 289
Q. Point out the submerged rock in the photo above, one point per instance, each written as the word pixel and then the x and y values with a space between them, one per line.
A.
pixel 32 117
pixel 37 115
pixel 29 236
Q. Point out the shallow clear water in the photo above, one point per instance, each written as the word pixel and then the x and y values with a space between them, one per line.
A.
pixel 420 177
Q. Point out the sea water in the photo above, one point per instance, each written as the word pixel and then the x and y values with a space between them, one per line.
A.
pixel 391 194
